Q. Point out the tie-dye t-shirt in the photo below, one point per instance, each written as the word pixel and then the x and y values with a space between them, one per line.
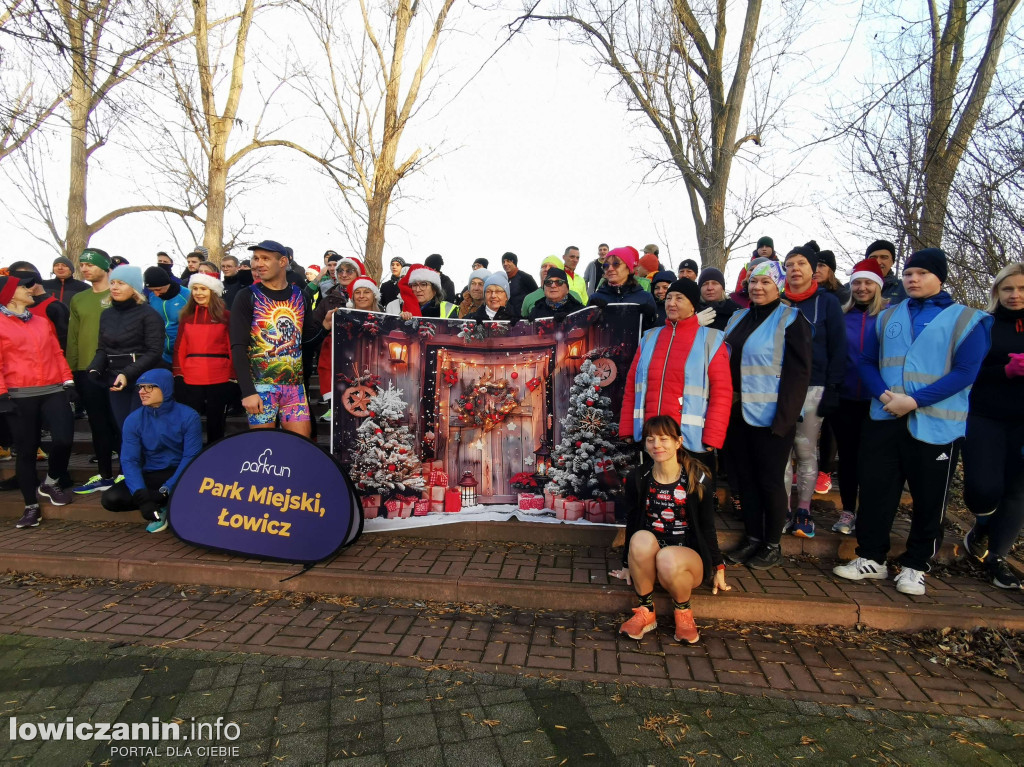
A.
pixel 275 338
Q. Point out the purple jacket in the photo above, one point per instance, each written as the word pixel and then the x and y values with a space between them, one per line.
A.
pixel 859 325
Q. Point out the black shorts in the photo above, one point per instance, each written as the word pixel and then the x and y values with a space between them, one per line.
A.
pixel 672 540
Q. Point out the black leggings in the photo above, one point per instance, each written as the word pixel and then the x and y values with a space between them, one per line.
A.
pixel 211 400
pixel 994 478
pixel 848 425
pixel 106 436
pixel 26 424
pixel 119 497
pixel 757 459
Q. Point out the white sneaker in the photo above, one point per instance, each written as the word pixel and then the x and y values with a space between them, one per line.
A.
pixel 910 581
pixel 861 569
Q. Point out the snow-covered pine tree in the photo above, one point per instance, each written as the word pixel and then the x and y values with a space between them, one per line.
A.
pixel 385 463
pixel 588 462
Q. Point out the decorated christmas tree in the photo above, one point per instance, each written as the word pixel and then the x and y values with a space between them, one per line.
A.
pixel 588 462
pixel 385 463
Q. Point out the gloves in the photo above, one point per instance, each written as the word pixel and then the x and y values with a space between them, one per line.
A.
pixel 6 404
pixel 72 392
pixel 149 501
pixel 706 316
pixel 1015 368
pixel 829 402
pixel 94 376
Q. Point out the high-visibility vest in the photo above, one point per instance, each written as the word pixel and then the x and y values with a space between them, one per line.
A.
pixel 909 364
pixel 696 388
pixel 449 310
pixel 761 363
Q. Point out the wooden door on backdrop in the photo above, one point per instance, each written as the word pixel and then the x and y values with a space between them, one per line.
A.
pixel 493 456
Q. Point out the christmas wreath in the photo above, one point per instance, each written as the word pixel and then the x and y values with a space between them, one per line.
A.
pixel 486 404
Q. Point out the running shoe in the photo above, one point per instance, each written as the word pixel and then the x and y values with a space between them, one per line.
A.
pixel 769 556
pixel 803 525
pixel 1002 575
pixel 910 581
pixel 976 543
pixel 30 518
pixel 846 523
pixel 686 629
pixel 5 454
pixel 159 524
pixel 862 569
pixel 54 494
pixel 94 483
pixel 643 620
pixel 824 483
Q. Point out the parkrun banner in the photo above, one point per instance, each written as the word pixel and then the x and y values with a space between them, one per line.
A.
pixel 266 493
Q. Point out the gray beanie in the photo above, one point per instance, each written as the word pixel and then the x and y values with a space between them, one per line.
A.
pixel 499 279
pixel 480 274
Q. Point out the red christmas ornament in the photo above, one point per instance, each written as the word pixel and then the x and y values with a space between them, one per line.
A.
pixel 514 375
pixel 590 403
pixel 377 431
pixel 372 414
pixel 579 444
pixel 392 467
pixel 402 450
pixel 469 406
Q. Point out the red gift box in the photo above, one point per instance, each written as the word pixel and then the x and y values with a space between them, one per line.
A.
pixel 437 493
pixel 537 502
pixel 574 510
pixel 438 478
pixel 526 501
pixel 421 508
pixel 558 505
pixel 452 501
pixel 394 507
pixel 408 507
pixel 599 511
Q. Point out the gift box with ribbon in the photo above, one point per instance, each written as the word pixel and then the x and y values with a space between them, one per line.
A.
pixel 526 501
pixel 574 510
pixel 437 478
pixel 599 511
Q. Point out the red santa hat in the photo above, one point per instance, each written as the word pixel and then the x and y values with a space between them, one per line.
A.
pixel 416 273
pixel 363 282
pixel 355 263
pixel 868 269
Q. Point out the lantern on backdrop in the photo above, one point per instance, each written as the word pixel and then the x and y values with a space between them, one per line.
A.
pixel 398 352
pixel 543 454
pixel 467 489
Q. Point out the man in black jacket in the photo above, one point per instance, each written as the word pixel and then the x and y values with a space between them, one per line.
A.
pixel 520 283
pixel 435 262
pixel 389 288
pixel 64 286
pixel 558 301
pixel 234 279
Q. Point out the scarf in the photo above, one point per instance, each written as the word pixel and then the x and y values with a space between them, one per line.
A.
pixel 24 316
pixel 798 297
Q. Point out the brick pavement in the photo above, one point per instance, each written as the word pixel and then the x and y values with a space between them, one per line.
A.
pixel 835 667
pixel 803 590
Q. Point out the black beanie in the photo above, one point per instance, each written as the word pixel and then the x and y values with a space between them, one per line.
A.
pixel 880 245
pixel 808 250
pixel 828 258
pixel 434 261
pixel 482 261
pixel 558 274
pixel 156 277
pixel 710 274
pixel 688 288
pixel 932 259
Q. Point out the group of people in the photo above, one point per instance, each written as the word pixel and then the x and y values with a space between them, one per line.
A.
pixel 767 377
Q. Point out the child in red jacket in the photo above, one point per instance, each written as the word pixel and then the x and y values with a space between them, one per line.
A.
pixel 202 354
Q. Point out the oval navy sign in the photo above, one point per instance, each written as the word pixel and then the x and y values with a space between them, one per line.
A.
pixel 266 493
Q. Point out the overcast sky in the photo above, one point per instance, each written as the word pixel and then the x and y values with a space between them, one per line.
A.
pixel 537 153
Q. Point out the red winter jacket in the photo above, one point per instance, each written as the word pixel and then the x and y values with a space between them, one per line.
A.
pixel 202 350
pixel 665 383
pixel 30 354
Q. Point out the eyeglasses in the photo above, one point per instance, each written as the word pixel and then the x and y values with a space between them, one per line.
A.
pixel 553 283
pixel 346 270
pixel 420 284
pixel 612 265
pixel 147 387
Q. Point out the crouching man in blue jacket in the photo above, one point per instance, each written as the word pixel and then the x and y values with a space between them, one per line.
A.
pixel 157 443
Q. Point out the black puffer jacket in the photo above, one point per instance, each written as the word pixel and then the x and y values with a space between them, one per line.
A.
pixel 131 341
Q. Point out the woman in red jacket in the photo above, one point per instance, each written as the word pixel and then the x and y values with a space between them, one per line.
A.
pixel 34 384
pixel 202 353
pixel 681 370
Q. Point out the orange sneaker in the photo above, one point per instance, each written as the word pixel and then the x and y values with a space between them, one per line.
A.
pixel 686 629
pixel 643 620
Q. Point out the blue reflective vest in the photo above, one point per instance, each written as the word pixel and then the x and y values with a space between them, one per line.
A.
pixel 761 363
pixel 909 364
pixel 696 388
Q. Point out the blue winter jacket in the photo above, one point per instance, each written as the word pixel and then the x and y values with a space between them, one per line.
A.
pixel 169 307
pixel 822 310
pixel 859 325
pixel 156 438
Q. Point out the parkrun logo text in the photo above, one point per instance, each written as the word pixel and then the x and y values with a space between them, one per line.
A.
pixel 262 465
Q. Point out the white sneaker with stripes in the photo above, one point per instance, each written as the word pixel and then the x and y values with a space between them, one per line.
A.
pixel 861 569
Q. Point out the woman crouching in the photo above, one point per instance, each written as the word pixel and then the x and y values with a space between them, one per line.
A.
pixel 670 531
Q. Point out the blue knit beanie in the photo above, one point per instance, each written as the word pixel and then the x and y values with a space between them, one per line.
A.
pixel 131 275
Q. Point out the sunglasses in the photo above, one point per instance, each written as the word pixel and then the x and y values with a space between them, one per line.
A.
pixel 553 283
pixel 612 265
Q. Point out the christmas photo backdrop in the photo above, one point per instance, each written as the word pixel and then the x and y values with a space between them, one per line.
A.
pixel 446 420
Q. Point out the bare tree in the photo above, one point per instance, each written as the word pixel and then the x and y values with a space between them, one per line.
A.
pixel 105 46
pixel 680 73
pixel 369 100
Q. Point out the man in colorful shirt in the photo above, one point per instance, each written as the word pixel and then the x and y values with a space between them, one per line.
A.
pixel 269 321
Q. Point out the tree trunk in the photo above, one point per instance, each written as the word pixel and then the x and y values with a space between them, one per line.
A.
pixel 377 219
pixel 711 237
pixel 77 237
pixel 216 198
pixel 938 180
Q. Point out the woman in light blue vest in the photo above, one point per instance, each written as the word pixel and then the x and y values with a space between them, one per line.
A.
pixel 919 366
pixel 770 362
